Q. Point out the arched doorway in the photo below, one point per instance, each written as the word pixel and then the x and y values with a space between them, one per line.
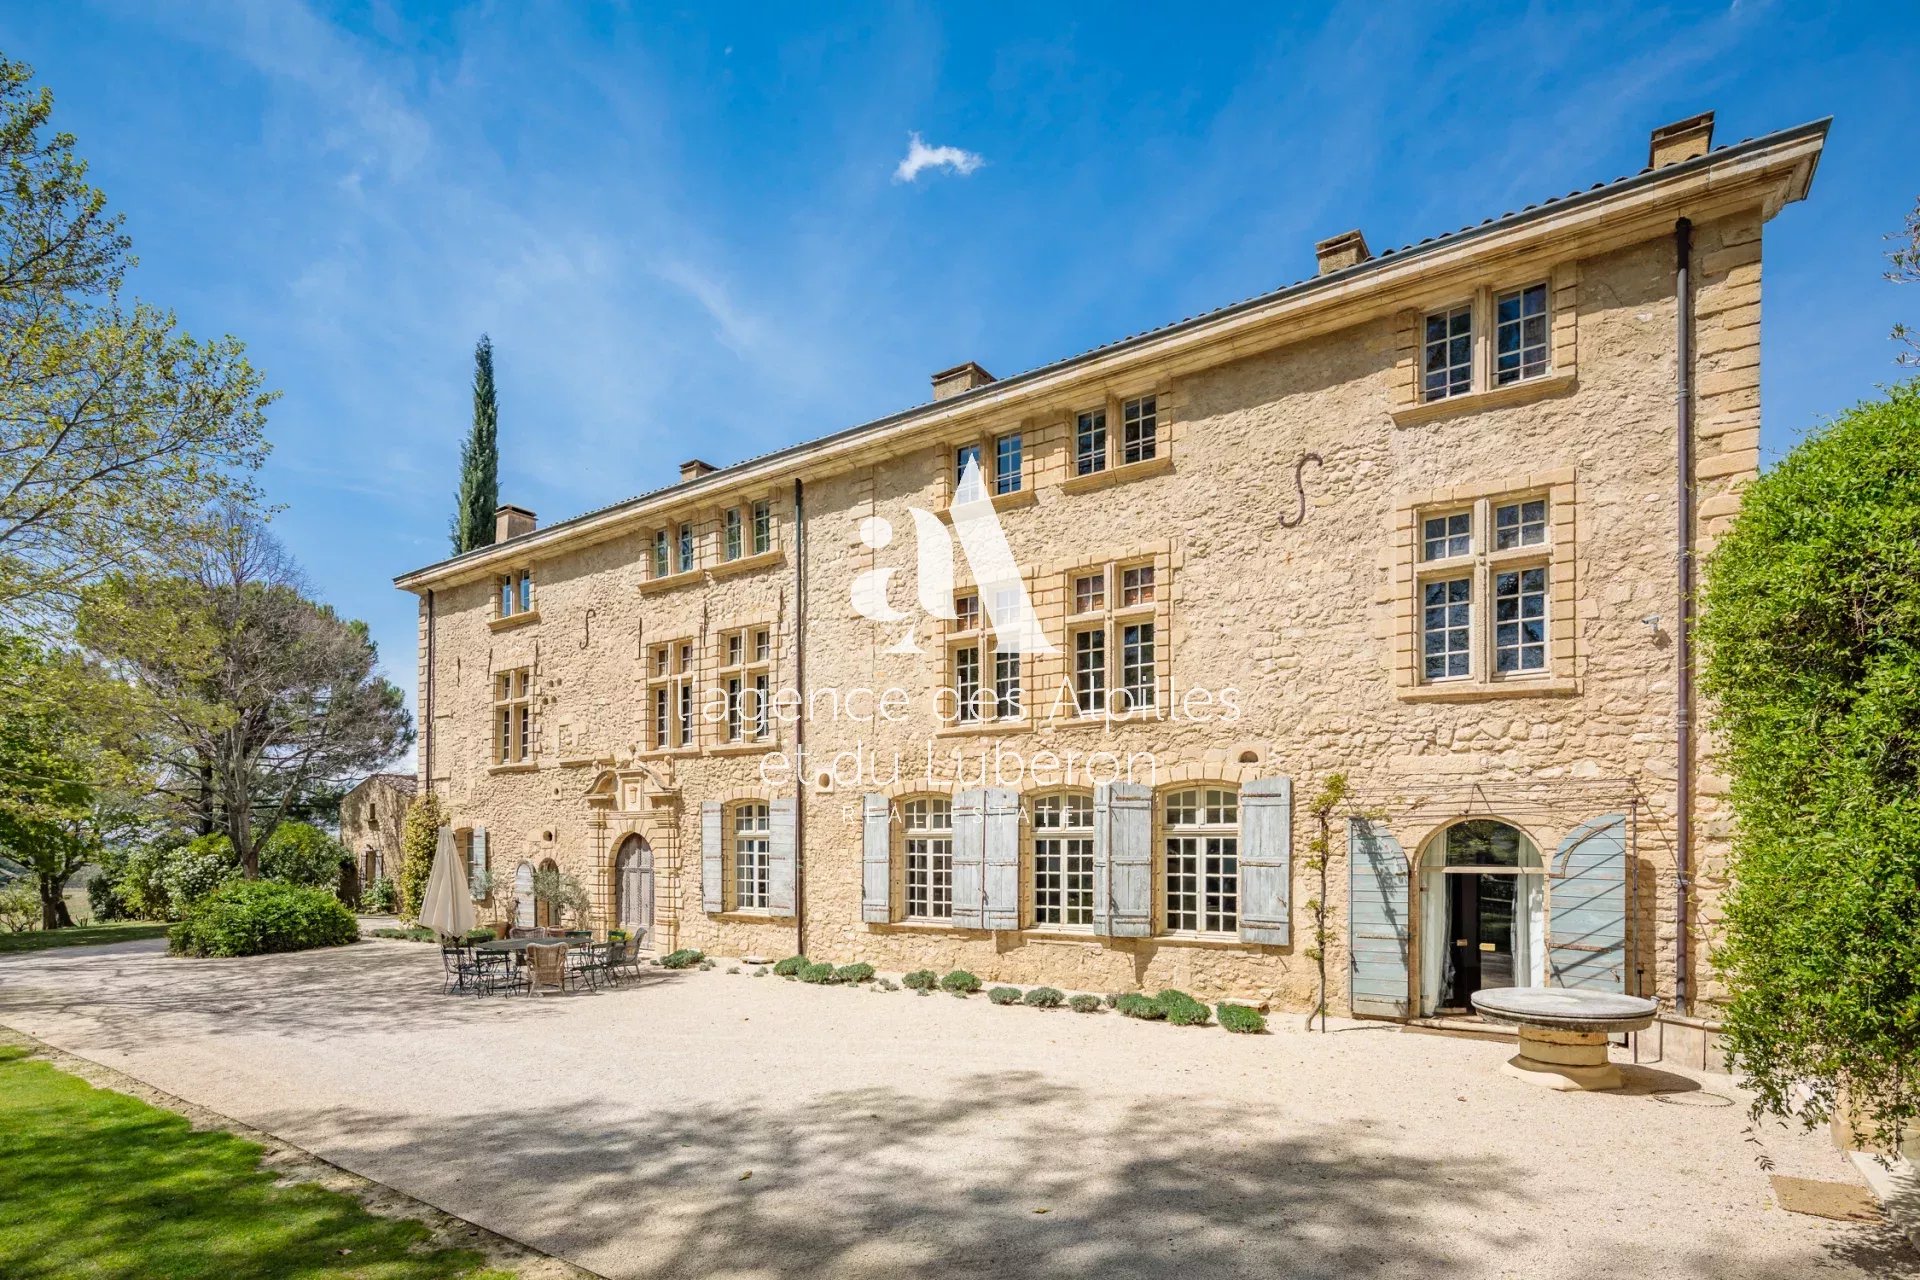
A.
pixel 546 914
pixel 1482 914
pixel 523 895
pixel 633 889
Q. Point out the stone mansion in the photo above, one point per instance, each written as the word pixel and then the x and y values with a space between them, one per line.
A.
pixel 1042 678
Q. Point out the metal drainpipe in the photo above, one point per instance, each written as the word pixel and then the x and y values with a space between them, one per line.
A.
pixel 426 730
pixel 800 719
pixel 1683 681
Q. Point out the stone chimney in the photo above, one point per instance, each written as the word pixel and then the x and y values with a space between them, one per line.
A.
pixel 1681 140
pixel 962 377
pixel 693 469
pixel 1348 249
pixel 511 522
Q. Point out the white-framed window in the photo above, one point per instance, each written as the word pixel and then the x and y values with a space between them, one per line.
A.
pixel 1495 553
pixel 762 527
pixel 670 694
pixel 1009 704
pixel 968 477
pixel 1139 429
pixel 746 656
pixel 1201 875
pixel 516 593
pixel 662 553
pixel 1520 334
pixel 683 549
pixel 927 841
pixel 1090 442
pixel 1008 463
pixel 730 535
pixel 1447 354
pixel 1062 860
pixel 512 716
pixel 1111 636
pixel 752 862
pixel 985 683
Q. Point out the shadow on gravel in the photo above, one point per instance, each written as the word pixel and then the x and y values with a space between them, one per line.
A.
pixel 873 1181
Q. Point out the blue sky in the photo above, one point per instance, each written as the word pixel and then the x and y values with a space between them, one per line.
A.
pixel 687 232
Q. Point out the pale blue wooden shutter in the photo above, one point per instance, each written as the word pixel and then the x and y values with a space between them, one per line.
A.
pixel 969 859
pixel 1377 920
pixel 1266 862
pixel 780 855
pixel 712 864
pixel 876 863
pixel 1587 931
pixel 523 895
pixel 477 852
pixel 1123 860
pixel 1002 867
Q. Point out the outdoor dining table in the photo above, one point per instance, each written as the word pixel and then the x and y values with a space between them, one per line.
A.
pixel 521 944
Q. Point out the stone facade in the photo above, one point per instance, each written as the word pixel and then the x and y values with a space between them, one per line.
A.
pixel 1295 462
pixel 371 816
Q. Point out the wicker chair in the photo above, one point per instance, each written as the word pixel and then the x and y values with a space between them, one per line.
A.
pixel 547 968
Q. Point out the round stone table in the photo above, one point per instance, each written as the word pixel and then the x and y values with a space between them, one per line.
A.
pixel 1563 1032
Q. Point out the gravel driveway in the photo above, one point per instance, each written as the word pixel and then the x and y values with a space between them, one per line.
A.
pixel 706 1124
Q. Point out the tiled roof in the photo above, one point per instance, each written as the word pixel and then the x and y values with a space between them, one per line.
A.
pixel 1379 261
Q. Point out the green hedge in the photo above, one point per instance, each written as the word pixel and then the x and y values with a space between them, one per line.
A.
pixel 1004 995
pixel 252 917
pixel 685 958
pixel 817 974
pixel 853 974
pixel 1239 1018
pixel 790 967
pixel 1045 998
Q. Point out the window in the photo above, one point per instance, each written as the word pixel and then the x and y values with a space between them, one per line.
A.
pixel 1138 419
pixel 1090 443
pixel 966 683
pixel 512 716
pixel 752 865
pixel 1519 524
pixel 967 486
pixel 1202 879
pixel 1448 362
pixel 1006 686
pixel 1457 640
pixel 1520 620
pixel 1099 635
pixel 476 850
pixel 662 559
pixel 971 655
pixel 1520 334
pixel 730 535
pixel 1007 464
pixel 762 528
pixel 670 690
pixel 745 674
pixel 1446 628
pixel 1443 537
pixel 683 555
pixel 1063 861
pixel 929 857
pixel 516 593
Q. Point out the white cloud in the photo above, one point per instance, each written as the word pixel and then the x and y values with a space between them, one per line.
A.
pixel 921 157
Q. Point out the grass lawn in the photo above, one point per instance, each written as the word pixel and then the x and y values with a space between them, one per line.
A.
pixel 85 935
pixel 94 1183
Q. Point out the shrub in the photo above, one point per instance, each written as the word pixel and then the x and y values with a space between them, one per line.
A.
pixel 817 974
pixel 141 888
pixel 1113 999
pixel 192 871
pixel 960 983
pixel 760 972
pixel 852 974
pixel 1046 998
pixel 301 853
pixel 1188 1013
pixel 419 840
pixel 19 906
pixel 1084 1004
pixel 1004 995
pixel 103 887
pixel 685 958
pixel 252 917
pixel 886 984
pixel 381 897
pixel 1811 647
pixel 790 967
pixel 1138 1006
pixel 921 980
pixel 1239 1018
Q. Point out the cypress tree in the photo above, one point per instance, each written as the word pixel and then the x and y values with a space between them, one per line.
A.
pixel 479 492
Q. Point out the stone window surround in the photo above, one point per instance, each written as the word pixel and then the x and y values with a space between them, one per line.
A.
pixel 730 837
pixel 748 667
pixel 1116 471
pixel 1564 649
pixel 709 543
pixel 506 737
pixel 675 676
pixel 1112 615
pixel 980 637
pixel 510 580
pixel 1410 405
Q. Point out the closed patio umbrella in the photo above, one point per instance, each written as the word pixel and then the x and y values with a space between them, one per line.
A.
pixel 446 907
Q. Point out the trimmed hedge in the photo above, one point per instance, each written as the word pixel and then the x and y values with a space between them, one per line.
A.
pixel 1131 1005
pixel 1239 1018
pixel 818 974
pixel 1045 998
pixel 854 974
pixel 1182 1010
pixel 685 958
pixel 921 980
pixel 254 917
pixel 1084 1004
pixel 960 983
pixel 1004 995
pixel 790 967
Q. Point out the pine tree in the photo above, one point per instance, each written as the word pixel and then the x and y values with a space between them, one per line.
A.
pixel 479 493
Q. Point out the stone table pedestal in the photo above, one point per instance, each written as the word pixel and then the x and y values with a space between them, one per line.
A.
pixel 1563 1032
